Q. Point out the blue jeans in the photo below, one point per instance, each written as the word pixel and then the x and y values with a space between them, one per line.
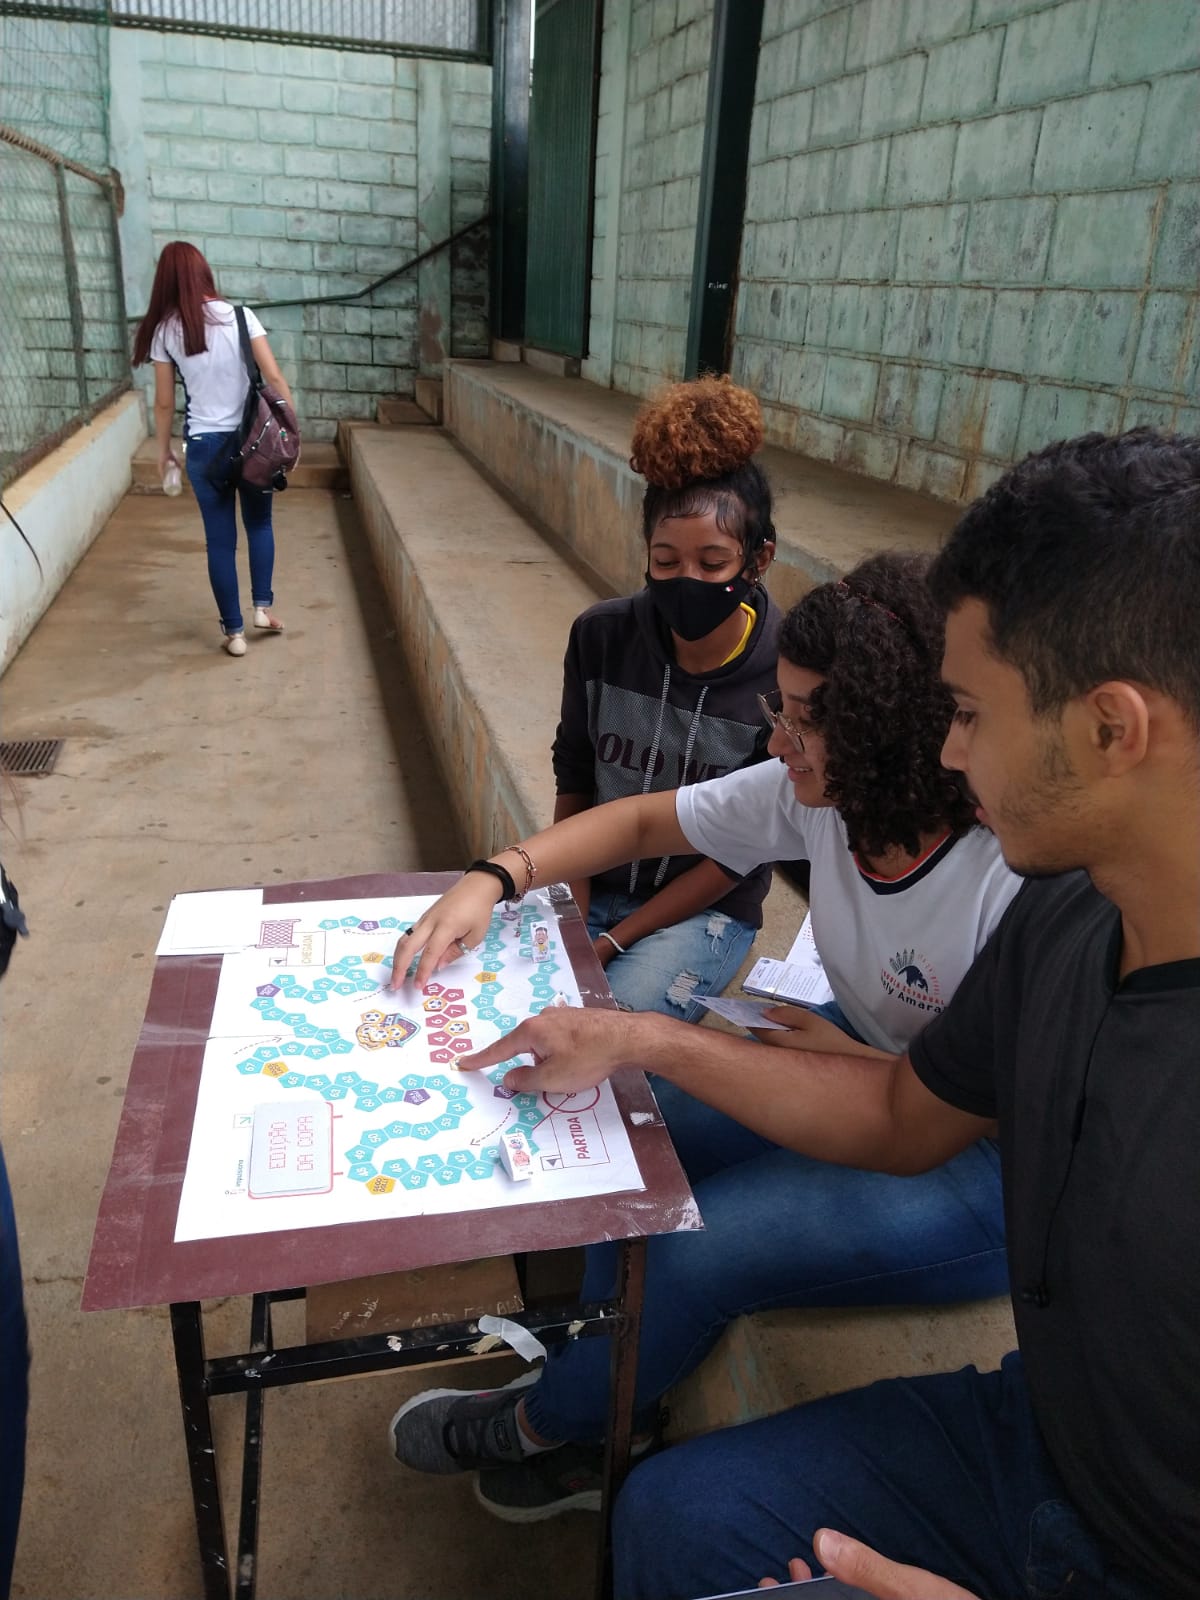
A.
pixel 665 969
pixel 218 509
pixel 14 1383
pixel 948 1473
pixel 780 1229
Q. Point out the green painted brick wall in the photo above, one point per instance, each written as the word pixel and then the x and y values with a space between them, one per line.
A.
pixel 302 171
pixel 649 143
pixel 972 226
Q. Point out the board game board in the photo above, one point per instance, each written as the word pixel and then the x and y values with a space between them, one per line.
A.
pixel 325 1097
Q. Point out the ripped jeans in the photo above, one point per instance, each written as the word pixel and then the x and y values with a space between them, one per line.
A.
pixel 665 969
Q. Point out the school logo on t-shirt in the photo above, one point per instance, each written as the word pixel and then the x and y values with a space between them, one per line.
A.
pixel 910 978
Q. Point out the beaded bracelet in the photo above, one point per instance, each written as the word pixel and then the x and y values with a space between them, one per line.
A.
pixel 530 869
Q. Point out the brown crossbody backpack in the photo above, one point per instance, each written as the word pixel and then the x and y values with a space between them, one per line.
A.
pixel 267 446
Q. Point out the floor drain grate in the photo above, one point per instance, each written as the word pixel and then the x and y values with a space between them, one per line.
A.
pixel 29 758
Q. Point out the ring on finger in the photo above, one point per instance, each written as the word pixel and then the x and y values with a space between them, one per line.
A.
pixel 463 946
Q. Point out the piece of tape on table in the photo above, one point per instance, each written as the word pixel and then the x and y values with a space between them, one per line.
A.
pixel 502 1330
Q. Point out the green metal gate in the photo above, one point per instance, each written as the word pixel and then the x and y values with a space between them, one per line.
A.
pixel 562 124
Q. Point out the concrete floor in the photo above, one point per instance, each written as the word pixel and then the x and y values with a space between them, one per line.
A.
pixel 186 769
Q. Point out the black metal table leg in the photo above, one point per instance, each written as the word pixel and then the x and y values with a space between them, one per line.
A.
pixel 188 1332
pixel 246 1576
pixel 630 1287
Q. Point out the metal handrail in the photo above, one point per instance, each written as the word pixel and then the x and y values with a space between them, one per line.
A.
pixel 377 283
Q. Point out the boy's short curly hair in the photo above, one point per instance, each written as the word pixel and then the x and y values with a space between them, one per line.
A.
pixel 876 638
pixel 693 444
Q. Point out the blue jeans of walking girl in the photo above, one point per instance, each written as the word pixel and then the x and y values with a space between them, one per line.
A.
pixel 779 1230
pixel 218 508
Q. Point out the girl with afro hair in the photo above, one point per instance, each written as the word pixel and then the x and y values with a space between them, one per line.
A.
pixel 661 690
pixel 906 889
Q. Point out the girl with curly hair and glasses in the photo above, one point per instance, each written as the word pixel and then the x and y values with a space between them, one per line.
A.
pixel 662 689
pixel 907 887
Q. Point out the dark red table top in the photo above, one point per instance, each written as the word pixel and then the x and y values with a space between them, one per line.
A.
pixel 135 1260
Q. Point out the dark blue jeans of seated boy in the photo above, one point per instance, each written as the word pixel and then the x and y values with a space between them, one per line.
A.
pixel 947 1473
pixel 779 1230
pixel 218 509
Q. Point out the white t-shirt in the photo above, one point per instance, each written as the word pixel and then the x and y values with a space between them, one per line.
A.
pixel 214 382
pixel 894 949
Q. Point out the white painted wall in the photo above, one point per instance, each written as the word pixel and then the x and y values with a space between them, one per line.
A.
pixel 62 504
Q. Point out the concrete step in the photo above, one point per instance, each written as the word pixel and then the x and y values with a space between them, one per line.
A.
pixel 429 395
pixel 561 446
pixel 320 467
pixel 483 606
pixel 398 410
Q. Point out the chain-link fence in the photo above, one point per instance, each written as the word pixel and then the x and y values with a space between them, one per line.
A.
pixel 62 318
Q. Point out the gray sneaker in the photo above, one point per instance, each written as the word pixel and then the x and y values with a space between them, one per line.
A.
pixel 542 1486
pixel 459 1430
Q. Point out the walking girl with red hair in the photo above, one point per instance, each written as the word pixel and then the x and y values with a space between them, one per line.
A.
pixel 191 331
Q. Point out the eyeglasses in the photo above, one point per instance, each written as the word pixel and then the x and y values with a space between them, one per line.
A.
pixel 776 719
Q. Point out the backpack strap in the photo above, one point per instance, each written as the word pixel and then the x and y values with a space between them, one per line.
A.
pixel 247 354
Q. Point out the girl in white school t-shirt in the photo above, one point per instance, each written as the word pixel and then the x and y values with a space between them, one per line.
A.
pixel 906 888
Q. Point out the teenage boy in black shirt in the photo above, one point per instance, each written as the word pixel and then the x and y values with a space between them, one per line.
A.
pixel 1072 592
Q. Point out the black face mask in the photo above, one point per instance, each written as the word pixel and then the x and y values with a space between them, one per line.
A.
pixel 691 608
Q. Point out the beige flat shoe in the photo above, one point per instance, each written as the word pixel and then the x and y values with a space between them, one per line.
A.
pixel 234 644
pixel 263 619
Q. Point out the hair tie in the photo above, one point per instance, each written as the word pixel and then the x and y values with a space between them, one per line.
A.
pixel 847 593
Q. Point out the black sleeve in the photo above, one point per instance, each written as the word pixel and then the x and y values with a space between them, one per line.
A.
pixel 955 1056
pixel 572 753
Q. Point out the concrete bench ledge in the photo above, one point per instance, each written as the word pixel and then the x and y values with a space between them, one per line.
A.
pixel 561 446
pixel 483 607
